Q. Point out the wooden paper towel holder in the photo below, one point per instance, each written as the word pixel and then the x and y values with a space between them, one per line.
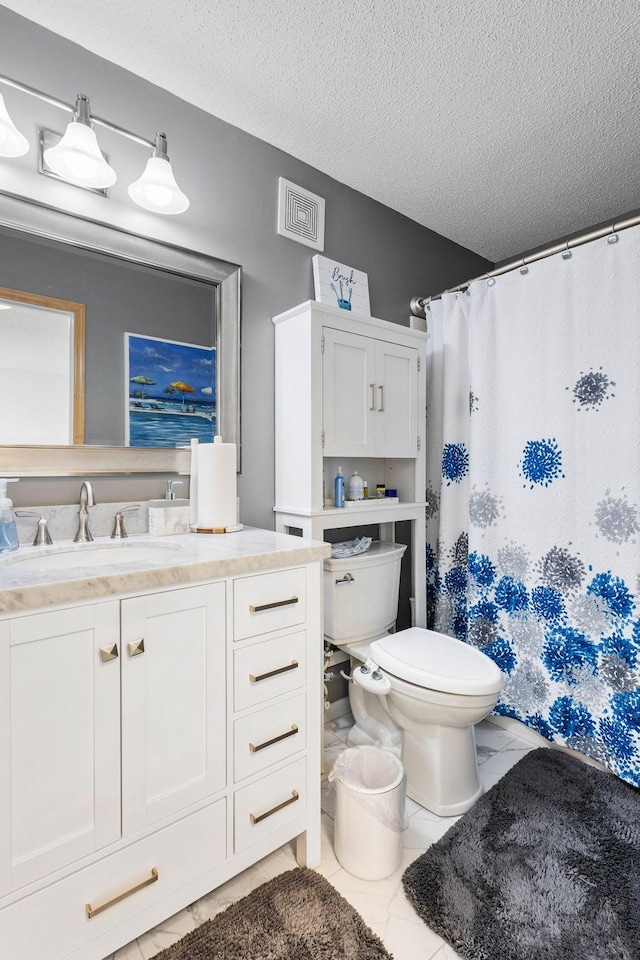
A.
pixel 234 529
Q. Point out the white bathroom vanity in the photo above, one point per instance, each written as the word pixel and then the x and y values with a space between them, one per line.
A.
pixel 160 729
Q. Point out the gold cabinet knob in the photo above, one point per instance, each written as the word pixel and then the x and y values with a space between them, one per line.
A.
pixel 110 652
pixel 136 647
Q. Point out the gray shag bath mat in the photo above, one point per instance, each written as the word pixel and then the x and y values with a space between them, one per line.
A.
pixel 545 866
pixel 296 916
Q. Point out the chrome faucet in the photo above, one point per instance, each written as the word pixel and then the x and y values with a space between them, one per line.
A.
pixel 87 499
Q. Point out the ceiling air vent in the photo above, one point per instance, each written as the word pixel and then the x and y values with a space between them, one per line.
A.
pixel 300 215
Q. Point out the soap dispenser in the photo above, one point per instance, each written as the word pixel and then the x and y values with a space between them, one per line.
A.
pixel 170 515
pixel 8 531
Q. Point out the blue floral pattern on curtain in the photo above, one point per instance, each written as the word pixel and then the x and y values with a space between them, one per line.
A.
pixel 533 491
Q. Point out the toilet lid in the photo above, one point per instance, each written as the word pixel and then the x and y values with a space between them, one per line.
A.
pixel 436 662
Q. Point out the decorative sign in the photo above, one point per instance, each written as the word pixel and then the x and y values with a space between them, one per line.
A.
pixel 341 286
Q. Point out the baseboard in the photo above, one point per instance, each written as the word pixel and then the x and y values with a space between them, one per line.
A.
pixel 523 732
pixel 520 730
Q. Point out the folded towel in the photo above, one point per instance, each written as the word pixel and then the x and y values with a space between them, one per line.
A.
pixel 350 548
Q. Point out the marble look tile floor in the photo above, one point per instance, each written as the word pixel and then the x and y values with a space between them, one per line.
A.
pixel 381 903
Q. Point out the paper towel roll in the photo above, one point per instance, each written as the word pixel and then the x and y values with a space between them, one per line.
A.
pixel 215 482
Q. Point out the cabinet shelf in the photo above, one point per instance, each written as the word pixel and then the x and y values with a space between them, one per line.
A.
pixel 376 513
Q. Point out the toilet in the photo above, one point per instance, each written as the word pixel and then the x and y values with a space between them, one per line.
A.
pixel 416 692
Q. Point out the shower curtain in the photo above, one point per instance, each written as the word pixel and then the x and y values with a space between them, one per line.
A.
pixel 533 490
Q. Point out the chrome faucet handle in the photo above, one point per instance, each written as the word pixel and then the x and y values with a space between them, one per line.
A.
pixel 42 537
pixel 119 531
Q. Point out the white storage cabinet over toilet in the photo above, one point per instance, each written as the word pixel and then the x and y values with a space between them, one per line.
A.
pixel 152 746
pixel 350 392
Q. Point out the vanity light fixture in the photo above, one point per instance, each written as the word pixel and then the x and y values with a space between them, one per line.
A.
pixel 12 142
pixel 157 189
pixel 78 160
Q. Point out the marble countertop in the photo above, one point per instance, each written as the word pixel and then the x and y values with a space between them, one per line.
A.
pixel 142 563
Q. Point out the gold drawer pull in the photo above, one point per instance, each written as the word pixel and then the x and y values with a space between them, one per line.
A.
pixel 282 736
pixel 94 911
pixel 110 652
pixel 256 678
pixel 285 803
pixel 270 606
pixel 136 647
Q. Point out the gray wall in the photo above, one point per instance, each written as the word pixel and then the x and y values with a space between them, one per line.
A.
pixel 232 181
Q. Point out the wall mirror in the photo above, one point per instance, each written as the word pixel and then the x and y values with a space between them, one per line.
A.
pixel 127 284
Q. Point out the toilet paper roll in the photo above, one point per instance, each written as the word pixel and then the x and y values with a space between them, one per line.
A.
pixel 215 482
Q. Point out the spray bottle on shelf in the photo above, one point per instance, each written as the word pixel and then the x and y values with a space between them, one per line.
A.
pixel 8 532
pixel 338 489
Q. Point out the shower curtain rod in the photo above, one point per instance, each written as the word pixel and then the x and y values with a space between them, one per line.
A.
pixel 419 305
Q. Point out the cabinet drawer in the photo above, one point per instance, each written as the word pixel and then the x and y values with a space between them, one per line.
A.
pixel 269 804
pixel 54 921
pixel 268 736
pixel 269 601
pixel 268 669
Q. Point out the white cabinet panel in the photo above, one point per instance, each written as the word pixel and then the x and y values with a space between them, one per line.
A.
pixel 397 392
pixel 53 922
pixel 63 763
pixel 349 395
pixel 268 669
pixel 369 397
pixel 269 803
pixel 269 601
pixel 172 702
pixel 269 736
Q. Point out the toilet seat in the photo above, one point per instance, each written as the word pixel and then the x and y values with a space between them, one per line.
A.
pixel 435 661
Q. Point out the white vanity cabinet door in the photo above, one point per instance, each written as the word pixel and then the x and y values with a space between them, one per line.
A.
pixel 173 702
pixel 60 739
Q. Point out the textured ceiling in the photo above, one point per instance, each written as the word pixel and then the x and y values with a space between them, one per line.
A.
pixel 502 125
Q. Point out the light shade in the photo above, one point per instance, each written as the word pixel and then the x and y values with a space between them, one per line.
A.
pixel 12 142
pixel 77 157
pixel 156 189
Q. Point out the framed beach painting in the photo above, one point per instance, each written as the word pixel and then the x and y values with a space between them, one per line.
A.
pixel 170 392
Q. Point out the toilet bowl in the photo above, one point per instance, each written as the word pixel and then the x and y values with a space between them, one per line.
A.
pixel 438 687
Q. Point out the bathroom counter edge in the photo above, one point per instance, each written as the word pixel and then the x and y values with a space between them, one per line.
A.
pixel 200 558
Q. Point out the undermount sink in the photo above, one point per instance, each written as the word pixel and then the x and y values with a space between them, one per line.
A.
pixel 97 555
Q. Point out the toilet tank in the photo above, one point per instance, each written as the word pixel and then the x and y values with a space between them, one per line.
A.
pixel 361 593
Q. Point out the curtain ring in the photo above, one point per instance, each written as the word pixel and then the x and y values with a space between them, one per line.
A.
pixel 566 253
pixel 613 236
pixel 524 269
pixel 491 281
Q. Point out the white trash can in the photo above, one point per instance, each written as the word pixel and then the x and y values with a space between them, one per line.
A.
pixel 370 811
